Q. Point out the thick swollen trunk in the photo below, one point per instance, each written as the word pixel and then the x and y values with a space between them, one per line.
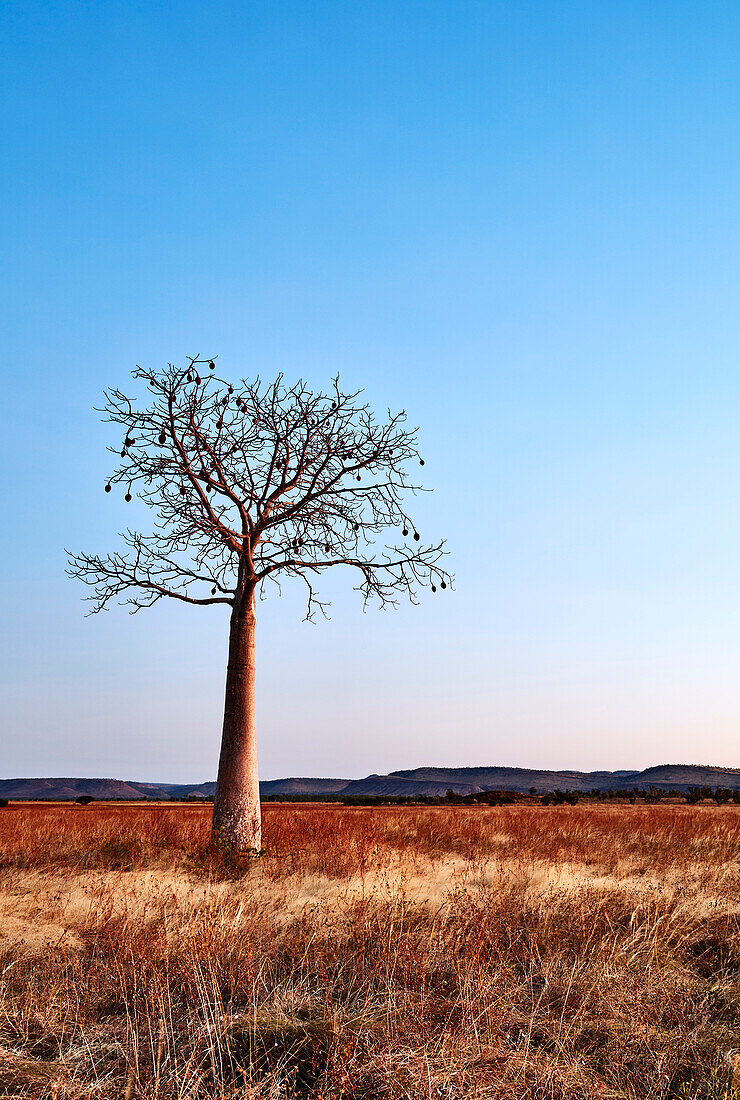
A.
pixel 237 823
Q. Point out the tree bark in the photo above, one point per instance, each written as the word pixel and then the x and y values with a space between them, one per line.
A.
pixel 237 825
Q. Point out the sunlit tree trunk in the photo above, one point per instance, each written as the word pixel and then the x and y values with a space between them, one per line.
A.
pixel 237 823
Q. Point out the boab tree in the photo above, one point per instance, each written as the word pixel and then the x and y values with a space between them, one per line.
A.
pixel 252 483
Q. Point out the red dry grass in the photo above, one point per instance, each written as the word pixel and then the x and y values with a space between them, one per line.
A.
pixel 511 952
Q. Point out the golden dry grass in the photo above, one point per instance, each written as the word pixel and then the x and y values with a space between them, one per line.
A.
pixel 562 952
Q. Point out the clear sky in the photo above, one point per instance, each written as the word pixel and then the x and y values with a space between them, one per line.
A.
pixel 520 222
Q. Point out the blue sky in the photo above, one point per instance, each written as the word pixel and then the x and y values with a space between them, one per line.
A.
pixel 517 221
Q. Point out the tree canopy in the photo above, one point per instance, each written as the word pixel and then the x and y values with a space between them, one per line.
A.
pixel 253 482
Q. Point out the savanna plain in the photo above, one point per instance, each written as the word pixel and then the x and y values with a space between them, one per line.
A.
pixel 381 952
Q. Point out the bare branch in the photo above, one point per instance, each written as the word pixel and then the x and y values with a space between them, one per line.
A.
pixel 251 481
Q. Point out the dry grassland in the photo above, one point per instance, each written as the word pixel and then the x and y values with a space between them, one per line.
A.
pixel 569 952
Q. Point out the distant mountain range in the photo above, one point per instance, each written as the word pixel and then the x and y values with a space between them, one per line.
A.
pixel 417 781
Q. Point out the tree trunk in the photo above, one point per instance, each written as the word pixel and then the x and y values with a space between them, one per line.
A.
pixel 237 823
